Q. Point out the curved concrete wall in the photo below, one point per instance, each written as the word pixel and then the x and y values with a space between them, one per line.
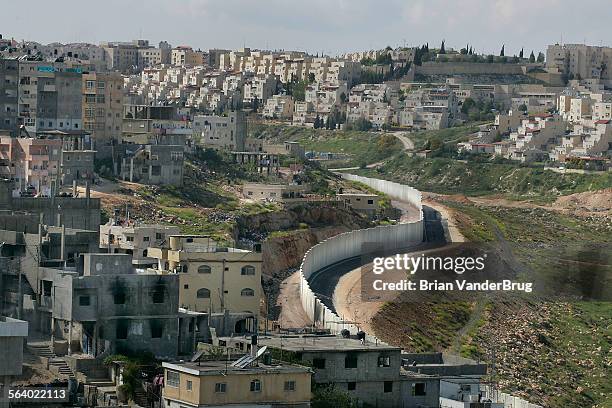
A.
pixel 349 244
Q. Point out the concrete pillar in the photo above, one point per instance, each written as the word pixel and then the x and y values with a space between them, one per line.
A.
pixel 63 244
pixel 95 339
pixel 52 334
pixel 70 338
pixel 4 400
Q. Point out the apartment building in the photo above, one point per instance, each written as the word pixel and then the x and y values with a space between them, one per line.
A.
pixel 580 61
pixel 259 88
pixel 103 109
pixel 50 96
pixel 212 278
pixel 145 124
pixel 221 132
pixel 89 55
pixel 9 82
pixel 107 308
pixel 124 56
pixel 155 164
pixel 186 56
pixel 77 166
pixel 220 383
pixel 31 162
pixel 150 57
pixel 279 107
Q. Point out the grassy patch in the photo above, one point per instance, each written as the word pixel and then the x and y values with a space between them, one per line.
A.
pixel 449 176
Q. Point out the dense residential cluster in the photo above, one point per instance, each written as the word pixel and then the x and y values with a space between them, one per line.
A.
pixel 97 291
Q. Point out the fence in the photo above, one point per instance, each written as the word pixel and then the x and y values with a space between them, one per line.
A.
pixel 349 245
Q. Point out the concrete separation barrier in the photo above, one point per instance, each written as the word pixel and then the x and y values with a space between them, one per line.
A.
pixel 349 245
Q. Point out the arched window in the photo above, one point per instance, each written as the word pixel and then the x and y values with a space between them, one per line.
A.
pixel 247 292
pixel 204 269
pixel 203 293
pixel 247 270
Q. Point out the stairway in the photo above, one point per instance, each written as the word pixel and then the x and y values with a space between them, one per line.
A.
pixel 41 350
pixel 140 398
pixel 61 366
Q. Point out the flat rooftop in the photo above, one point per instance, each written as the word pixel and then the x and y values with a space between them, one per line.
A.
pixel 222 367
pixel 321 343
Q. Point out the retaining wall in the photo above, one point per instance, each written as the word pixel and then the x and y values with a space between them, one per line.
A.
pixel 349 245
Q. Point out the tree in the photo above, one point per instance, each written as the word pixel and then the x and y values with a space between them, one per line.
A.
pixel 490 59
pixel 311 77
pixel 343 97
pixel 532 57
pixel 502 53
pixel 317 122
pixel 521 54
pixel 541 57
pixel 327 396
pixel 471 52
pixel 523 108
pixel 442 49
pixel 468 104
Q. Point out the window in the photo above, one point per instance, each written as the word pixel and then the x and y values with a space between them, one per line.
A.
pixel 145 239
pixel 255 385
pixel 159 235
pixel 158 294
pixel 185 286
pixel 247 292
pixel 121 330
pixel 84 301
pixel 351 386
pixel 370 201
pixel 157 329
pixel 388 387
pixel 350 361
pixel 173 379
pixel 419 389
pixel 189 385
pixel 289 385
pixel 384 361
pixel 119 298
pixel 220 387
pixel 204 269
pixel 247 270
pixel 203 293
pixel 318 363
pixel 89 84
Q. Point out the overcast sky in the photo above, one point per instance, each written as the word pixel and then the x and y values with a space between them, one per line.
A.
pixel 314 25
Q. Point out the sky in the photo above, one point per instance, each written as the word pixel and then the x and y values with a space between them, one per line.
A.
pixel 328 26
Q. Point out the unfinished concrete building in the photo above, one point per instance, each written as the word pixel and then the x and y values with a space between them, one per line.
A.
pixel 71 212
pixel 135 240
pixel 155 164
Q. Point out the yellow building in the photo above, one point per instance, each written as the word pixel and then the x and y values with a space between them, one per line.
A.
pixel 216 383
pixel 211 277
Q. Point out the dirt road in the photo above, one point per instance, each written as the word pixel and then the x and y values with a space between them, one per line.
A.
pixel 292 313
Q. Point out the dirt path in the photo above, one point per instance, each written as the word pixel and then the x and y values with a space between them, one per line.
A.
pixel 406 141
pixel 292 313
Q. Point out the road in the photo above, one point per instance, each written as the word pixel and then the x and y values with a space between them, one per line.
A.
pixel 325 281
